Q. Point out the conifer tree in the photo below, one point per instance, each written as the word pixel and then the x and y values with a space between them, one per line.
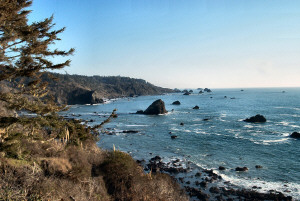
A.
pixel 25 54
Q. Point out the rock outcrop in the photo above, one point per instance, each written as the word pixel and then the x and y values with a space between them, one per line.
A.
pixel 176 103
pixel 207 90
pixel 157 107
pixel 295 135
pixel 196 107
pixel 241 169
pixel 256 119
pixel 83 96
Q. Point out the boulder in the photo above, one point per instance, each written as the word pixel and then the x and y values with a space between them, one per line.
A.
pixel 130 131
pixel 82 96
pixel 196 107
pixel 176 90
pixel 221 168
pixel 295 135
pixel 200 92
pixel 191 91
pixel 173 137
pixel 241 169
pixel 258 167
pixel 157 107
pixel 256 119
pixel 186 93
pixel 176 103
pixel 140 112
pixel 207 90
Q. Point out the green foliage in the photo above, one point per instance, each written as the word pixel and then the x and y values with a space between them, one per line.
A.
pixel 25 53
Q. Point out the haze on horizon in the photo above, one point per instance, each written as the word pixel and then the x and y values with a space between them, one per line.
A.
pixel 183 44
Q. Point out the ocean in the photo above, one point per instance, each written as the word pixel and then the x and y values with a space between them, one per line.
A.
pixel 223 139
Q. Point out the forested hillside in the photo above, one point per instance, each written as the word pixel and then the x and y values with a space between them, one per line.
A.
pixel 79 89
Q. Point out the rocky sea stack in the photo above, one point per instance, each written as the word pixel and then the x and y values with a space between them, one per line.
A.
pixel 256 119
pixel 176 103
pixel 295 135
pixel 157 107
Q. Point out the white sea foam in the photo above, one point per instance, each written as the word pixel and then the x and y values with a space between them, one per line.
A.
pixel 248 126
pixel 284 123
pixel 265 185
pixel 268 142
pixel 136 125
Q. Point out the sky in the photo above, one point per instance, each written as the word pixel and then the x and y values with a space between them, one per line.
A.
pixel 181 44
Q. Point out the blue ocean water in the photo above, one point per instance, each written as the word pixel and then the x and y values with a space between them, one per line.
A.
pixel 223 140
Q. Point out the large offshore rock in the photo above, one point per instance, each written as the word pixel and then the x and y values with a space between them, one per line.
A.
pixel 256 119
pixel 157 107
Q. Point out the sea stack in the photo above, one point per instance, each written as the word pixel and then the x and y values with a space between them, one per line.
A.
pixel 256 119
pixel 295 135
pixel 176 103
pixel 157 107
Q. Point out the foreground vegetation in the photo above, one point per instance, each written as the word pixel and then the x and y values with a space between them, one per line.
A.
pixel 58 159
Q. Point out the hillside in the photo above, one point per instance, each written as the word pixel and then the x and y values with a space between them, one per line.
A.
pixel 79 89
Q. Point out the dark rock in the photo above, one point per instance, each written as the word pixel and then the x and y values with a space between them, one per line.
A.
pixel 176 103
pixel 191 91
pixel 156 158
pixel 181 124
pixel 140 161
pixel 221 168
pixel 198 174
pixel 214 190
pixel 200 92
pixel 186 93
pixel 157 107
pixel 207 90
pixel 173 136
pixel 196 107
pixel 225 96
pixel 181 179
pixel 129 131
pixel 258 167
pixel 241 169
pixel 256 119
pixel 295 135
pixel 188 182
pixel 203 184
pixel 176 90
pixel 205 119
pixel 140 112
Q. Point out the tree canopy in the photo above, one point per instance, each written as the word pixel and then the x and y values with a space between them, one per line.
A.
pixel 26 52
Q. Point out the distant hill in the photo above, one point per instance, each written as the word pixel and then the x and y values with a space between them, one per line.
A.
pixel 79 89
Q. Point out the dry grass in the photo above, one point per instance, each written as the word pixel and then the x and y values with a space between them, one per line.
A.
pixel 36 166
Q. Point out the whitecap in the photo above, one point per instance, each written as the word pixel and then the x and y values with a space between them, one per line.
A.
pixel 284 123
pixel 266 186
pixel 275 141
pixel 136 125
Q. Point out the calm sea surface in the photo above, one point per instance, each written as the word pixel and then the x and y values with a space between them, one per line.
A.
pixel 223 140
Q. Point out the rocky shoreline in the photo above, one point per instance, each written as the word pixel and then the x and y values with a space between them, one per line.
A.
pixel 205 184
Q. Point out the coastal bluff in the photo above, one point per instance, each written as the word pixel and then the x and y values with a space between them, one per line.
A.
pixel 79 89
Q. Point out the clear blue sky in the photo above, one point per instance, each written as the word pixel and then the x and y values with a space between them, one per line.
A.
pixel 184 44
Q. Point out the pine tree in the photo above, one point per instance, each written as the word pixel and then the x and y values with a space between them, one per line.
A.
pixel 25 54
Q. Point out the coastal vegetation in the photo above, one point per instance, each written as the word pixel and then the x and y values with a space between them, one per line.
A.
pixel 42 155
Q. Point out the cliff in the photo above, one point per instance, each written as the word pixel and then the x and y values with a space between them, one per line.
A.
pixel 79 89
